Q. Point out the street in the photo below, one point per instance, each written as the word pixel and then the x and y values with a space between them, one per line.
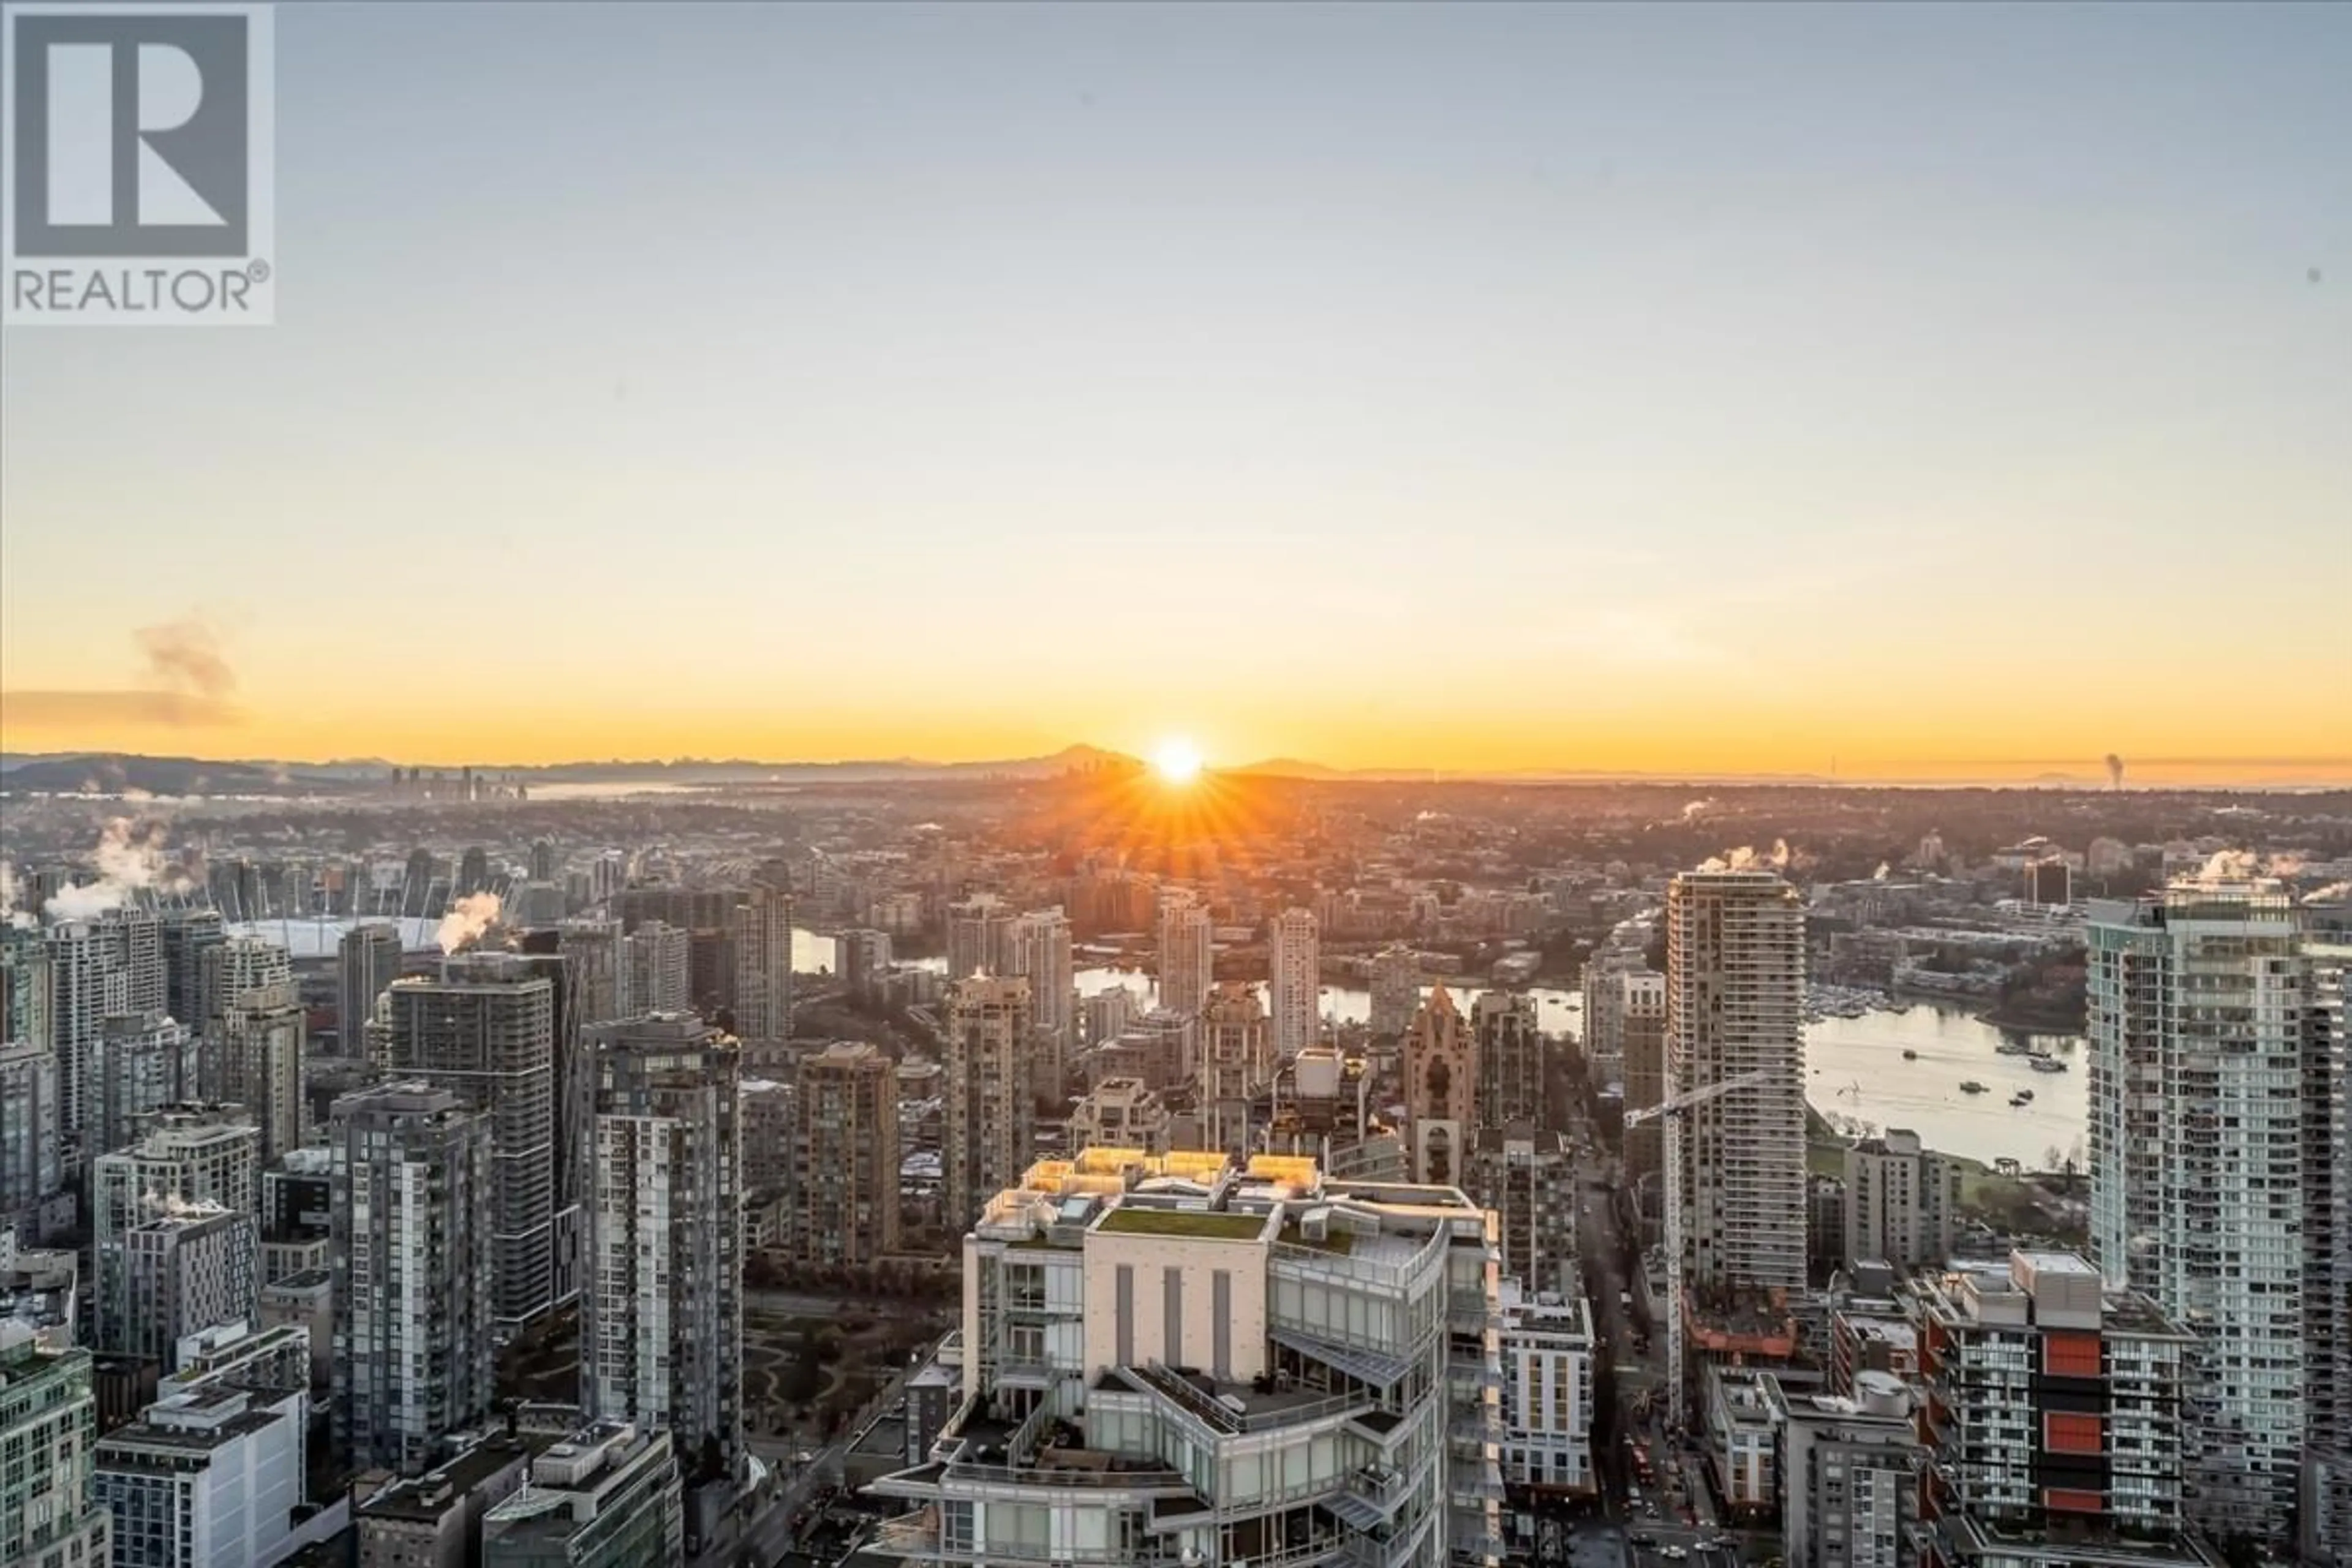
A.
pixel 1669 1519
pixel 765 1536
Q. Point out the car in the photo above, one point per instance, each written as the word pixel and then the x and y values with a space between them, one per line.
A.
pixel 1675 1553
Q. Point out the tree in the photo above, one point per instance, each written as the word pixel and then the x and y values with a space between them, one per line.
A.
pixel 805 1377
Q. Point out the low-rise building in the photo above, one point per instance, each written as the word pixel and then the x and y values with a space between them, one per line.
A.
pixel 1871 1336
pixel 434 1520
pixel 39 1290
pixel 608 1496
pixel 1901 1199
pixel 1743 1440
pixel 306 1302
pixel 271 1361
pixel 1547 1349
pixel 1120 1113
pixel 1159 1047
pixel 213 1476
pixel 1848 1471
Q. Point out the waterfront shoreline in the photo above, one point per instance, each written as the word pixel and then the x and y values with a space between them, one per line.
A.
pixel 2033 1021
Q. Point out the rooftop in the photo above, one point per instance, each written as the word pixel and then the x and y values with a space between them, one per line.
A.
pixel 2077 1549
pixel 428 1497
pixel 302 1279
pixel 201 1423
pixel 2056 1263
pixel 1130 1219
pixel 1332 1240
pixel 1889 1331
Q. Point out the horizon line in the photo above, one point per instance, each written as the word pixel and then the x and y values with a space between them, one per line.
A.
pixel 1960 773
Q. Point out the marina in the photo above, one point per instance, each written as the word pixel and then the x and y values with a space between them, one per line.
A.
pixel 1907 1068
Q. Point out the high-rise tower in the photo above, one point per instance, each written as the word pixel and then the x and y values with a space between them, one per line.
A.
pixel 31 1142
pixel 261 1046
pixel 1041 951
pixel 595 955
pixel 662 1316
pixel 187 932
pixel 48 1516
pixel 86 986
pixel 1236 1065
pixel 145 1060
pixel 1736 1007
pixel 1396 991
pixel 2199 1005
pixel 846 1152
pixel 1441 1090
pixel 412 1205
pixel 367 961
pixel 184 1155
pixel 1294 987
pixel 224 972
pixel 1510 1059
pixel 485 1029
pixel 656 959
pixel 980 937
pixel 761 926
pixel 1187 951
pixel 991 1115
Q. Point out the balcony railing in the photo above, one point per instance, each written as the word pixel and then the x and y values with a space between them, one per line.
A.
pixel 1150 1480
pixel 1182 1392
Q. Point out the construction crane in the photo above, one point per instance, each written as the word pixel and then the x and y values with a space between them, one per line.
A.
pixel 1671 1112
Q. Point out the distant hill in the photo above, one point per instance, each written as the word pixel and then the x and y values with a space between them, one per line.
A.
pixel 118 773
pixel 1285 768
pixel 1295 768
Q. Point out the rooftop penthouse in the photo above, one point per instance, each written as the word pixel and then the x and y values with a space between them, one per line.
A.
pixel 1247 1358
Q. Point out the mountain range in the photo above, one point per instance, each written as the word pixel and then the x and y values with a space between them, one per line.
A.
pixel 119 773
pixel 116 772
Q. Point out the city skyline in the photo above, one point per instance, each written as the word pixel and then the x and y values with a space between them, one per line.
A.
pixel 1284 786
pixel 1711 390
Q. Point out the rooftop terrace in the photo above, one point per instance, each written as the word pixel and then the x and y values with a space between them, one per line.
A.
pixel 1130 1219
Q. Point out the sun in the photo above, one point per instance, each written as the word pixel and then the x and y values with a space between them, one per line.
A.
pixel 1177 761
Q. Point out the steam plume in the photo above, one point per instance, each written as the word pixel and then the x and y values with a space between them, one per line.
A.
pixel 130 860
pixel 2245 866
pixel 1749 858
pixel 2334 892
pixel 1695 809
pixel 185 656
pixel 186 679
pixel 1880 875
pixel 468 918
pixel 2230 865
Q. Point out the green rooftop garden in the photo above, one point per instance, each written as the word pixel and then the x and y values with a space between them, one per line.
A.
pixel 1334 1240
pixel 1130 1220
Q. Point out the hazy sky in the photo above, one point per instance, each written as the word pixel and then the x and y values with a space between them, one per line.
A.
pixel 1679 388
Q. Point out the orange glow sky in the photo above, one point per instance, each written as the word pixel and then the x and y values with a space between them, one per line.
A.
pixel 1928 392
